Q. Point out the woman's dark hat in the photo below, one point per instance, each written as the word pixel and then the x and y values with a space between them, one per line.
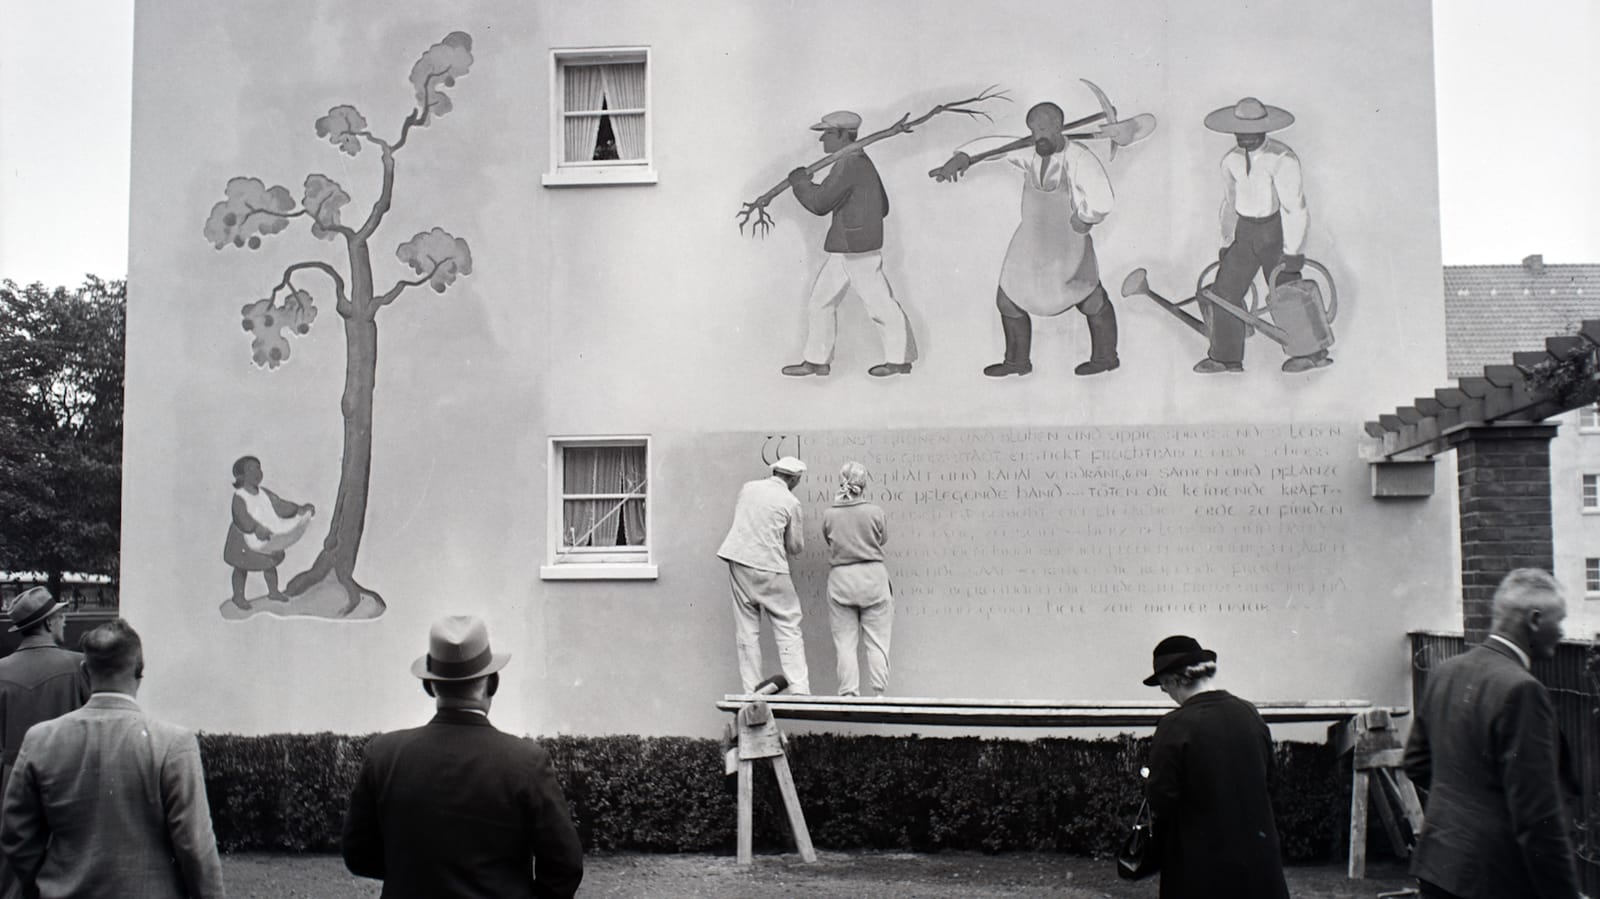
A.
pixel 32 607
pixel 1176 652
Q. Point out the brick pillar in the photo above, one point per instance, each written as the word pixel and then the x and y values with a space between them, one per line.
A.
pixel 1504 488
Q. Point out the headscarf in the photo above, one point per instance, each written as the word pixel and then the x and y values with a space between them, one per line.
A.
pixel 852 481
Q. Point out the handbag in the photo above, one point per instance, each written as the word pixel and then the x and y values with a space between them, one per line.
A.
pixel 1140 855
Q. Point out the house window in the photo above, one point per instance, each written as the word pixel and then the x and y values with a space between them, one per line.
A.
pixel 1589 418
pixel 600 117
pixel 1591 576
pixel 600 521
pixel 1591 493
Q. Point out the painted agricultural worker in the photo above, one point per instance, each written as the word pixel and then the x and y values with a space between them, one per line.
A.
pixel 853 194
pixel 1264 222
pixel 262 525
pixel 1050 266
pixel 1209 765
pixel 860 603
pixel 767 529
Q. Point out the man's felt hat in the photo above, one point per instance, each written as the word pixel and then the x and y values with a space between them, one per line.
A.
pixel 842 120
pixel 33 606
pixel 458 649
pixel 1248 116
pixel 1176 652
pixel 789 465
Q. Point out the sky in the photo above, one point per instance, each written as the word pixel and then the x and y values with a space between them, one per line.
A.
pixel 1518 91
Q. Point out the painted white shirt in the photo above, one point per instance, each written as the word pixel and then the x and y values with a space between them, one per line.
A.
pixel 1086 178
pixel 1272 184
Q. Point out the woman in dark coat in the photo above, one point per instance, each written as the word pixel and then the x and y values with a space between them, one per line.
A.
pixel 1210 761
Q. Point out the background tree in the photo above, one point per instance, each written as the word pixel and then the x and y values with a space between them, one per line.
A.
pixel 251 211
pixel 61 354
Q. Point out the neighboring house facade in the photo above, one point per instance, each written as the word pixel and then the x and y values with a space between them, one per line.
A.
pixel 1492 311
pixel 516 357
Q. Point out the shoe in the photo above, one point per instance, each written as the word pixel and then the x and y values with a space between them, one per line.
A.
pixel 1210 366
pixel 1001 369
pixel 1307 363
pixel 1094 368
pixel 884 369
pixel 802 369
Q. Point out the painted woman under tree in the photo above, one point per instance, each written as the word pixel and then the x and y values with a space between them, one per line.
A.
pixel 262 526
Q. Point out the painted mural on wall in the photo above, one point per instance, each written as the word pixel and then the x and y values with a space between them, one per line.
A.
pixel 1050 264
pixel 854 196
pixel 261 526
pixel 1264 220
pixel 251 211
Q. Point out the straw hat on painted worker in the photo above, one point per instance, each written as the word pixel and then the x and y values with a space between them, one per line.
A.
pixel 1174 653
pixel 458 650
pixel 33 606
pixel 1249 116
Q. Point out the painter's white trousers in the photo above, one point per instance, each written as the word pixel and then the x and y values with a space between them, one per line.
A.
pixel 860 606
pixel 755 591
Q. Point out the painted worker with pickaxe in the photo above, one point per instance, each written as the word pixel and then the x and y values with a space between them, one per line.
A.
pixel 1050 265
pixel 853 194
pixel 1264 222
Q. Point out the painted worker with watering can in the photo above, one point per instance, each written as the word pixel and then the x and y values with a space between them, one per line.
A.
pixel 1264 222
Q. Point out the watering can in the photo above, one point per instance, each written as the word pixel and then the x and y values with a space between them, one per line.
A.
pixel 1293 315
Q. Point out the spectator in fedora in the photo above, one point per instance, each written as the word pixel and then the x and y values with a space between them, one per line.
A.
pixel 39 680
pixel 106 802
pixel 767 529
pixel 1210 761
pixel 456 808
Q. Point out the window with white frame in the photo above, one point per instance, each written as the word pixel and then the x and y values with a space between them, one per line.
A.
pixel 1591 575
pixel 599 509
pixel 1591 493
pixel 1589 418
pixel 600 109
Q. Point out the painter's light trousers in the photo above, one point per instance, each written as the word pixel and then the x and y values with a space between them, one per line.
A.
pixel 755 591
pixel 860 607
pixel 864 273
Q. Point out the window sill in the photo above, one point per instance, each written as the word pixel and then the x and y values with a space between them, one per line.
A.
pixel 598 571
pixel 599 176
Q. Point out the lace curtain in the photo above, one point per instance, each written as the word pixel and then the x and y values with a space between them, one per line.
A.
pixel 603 469
pixel 620 86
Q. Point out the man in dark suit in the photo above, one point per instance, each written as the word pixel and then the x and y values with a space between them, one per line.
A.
pixel 1484 745
pixel 39 680
pixel 106 802
pixel 456 808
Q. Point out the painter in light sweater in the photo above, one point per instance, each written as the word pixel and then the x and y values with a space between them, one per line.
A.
pixel 860 601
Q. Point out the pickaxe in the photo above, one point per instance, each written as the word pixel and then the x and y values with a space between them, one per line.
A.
pixel 1119 133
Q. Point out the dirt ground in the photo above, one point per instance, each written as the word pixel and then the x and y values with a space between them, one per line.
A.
pixel 836 875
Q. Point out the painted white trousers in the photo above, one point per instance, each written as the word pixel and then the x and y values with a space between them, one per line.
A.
pixel 755 591
pixel 864 273
pixel 860 606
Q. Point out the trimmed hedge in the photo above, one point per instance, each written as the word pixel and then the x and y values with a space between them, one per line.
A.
pixel 668 794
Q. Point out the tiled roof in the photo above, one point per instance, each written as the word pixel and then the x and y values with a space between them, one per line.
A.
pixel 1492 311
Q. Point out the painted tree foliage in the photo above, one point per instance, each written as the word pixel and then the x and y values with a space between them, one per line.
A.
pixel 250 211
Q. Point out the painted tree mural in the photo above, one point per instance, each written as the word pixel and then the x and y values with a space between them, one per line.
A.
pixel 251 211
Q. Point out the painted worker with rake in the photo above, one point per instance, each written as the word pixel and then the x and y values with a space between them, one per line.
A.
pixel 853 194
pixel 1050 265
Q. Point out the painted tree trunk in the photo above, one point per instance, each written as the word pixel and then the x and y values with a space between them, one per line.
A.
pixel 340 548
